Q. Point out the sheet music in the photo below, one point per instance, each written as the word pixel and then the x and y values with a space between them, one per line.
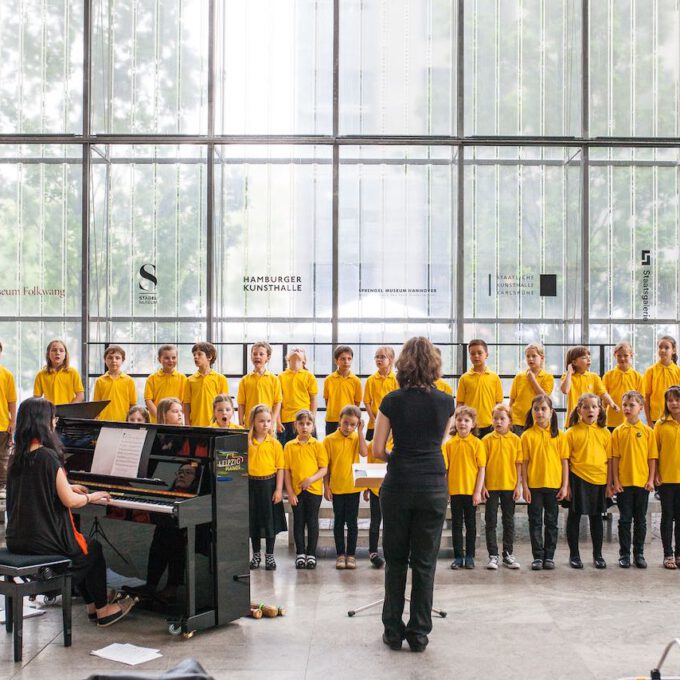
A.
pixel 118 451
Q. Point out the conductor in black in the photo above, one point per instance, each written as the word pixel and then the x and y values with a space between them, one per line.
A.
pixel 414 495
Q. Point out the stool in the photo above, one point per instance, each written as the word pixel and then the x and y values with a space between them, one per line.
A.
pixel 36 575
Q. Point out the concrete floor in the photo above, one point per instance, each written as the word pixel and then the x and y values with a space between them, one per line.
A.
pixel 505 624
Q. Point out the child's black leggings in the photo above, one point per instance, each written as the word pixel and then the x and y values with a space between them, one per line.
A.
pixel 269 543
pixel 306 514
pixel 596 533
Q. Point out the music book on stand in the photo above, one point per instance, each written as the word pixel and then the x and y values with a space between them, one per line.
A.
pixel 368 475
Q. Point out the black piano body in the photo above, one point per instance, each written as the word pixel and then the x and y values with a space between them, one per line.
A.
pixel 210 515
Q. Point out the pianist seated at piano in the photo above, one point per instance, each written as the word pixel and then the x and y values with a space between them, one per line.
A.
pixel 39 502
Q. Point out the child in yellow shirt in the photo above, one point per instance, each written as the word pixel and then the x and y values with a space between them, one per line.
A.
pixel 115 386
pixel 372 496
pixel 619 380
pixel 165 382
pixel 259 386
pixel 58 381
pixel 8 417
pixel 465 458
pixel 203 386
pixel 341 387
pixel 265 486
pixel 659 377
pixel 480 388
pixel 138 414
pixel 382 382
pixel 223 412
pixel 589 476
pixel 634 458
pixel 306 464
pixel 343 449
pixel 440 383
pixel 299 391
pixel 502 484
pixel 528 384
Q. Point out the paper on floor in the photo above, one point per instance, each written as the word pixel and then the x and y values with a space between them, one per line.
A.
pixel 127 653
pixel 29 611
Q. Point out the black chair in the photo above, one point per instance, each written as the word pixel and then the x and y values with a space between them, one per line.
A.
pixel 22 575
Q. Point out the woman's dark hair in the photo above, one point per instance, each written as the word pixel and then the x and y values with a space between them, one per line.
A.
pixel 574 416
pixel 34 423
pixel 418 364
pixel 543 399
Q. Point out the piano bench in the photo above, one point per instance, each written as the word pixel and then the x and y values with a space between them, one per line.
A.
pixel 22 575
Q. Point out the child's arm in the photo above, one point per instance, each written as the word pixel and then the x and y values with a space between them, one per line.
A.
pixel 564 490
pixel 313 405
pixel 565 383
pixel 186 407
pixel 612 404
pixel 517 493
pixel 477 493
pixel 320 473
pixel 534 383
pixel 327 493
pixel 363 446
pixel 151 407
pixel 278 492
pixel 652 474
pixel 80 396
pixel 292 498
pixel 276 416
pixel 241 414
pixel 616 484
pixel 380 435
pixel 648 409
pixel 369 410
pixel 525 483
pixel 12 408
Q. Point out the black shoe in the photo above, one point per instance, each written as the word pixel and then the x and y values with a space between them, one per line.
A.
pixel 575 563
pixel 457 563
pixel 417 643
pixel 549 564
pixel 269 563
pixel 392 641
pixel 624 562
pixel 537 565
pixel 599 562
pixel 377 561
pixel 640 561
pixel 469 562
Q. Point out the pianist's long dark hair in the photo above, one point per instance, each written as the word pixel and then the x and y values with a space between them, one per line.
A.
pixel 34 423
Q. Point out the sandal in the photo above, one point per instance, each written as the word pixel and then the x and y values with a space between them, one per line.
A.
pixel 677 561
pixel 669 562
pixel 341 562
pixel 351 562
pixel 126 604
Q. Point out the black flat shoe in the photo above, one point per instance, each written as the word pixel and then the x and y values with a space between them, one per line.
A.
pixel 624 562
pixel 537 565
pixel 599 563
pixel 394 643
pixel 417 643
pixel 640 562
pixel 549 564
pixel 575 563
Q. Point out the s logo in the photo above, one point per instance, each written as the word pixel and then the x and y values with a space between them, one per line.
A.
pixel 646 258
pixel 147 272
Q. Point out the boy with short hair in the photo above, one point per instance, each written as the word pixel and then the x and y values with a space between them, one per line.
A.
pixel 480 388
pixel 8 416
pixel 115 386
pixel 166 382
pixel 203 386
pixel 341 388
pixel 259 386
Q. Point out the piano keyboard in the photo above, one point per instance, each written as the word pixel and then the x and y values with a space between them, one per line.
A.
pixel 134 503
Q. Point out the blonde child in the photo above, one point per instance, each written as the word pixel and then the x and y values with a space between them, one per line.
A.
pixel 372 496
pixel 579 379
pixel 306 464
pixel 115 386
pixel 659 377
pixel 138 414
pixel 259 386
pixel 545 478
pixel 170 412
pixel 223 413
pixel 203 386
pixel 528 384
pixel 589 475
pixel 341 387
pixel 619 380
pixel 465 458
pixel 480 388
pixel 343 449
pixel 58 381
pixel 299 391
pixel 265 486
pixel 634 459
pixel 382 382
pixel 167 381
pixel 8 417
pixel 502 484
pixel 667 434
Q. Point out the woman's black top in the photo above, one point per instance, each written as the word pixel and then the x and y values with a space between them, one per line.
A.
pixel 38 523
pixel 418 418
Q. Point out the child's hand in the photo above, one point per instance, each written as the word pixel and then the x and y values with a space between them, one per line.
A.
pixel 485 494
pixel 609 490
pixel 306 483
pixel 570 369
pixel 616 408
pixel 327 494
pixel 367 495
pixel 649 486
pixel 293 500
pixel 527 494
pixel 476 499
pixel 279 427
pixel 657 480
pixel 361 425
pixel 563 493
pixel 277 497
pixel 516 494
pixel 616 486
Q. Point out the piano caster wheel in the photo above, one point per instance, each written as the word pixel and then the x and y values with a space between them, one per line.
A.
pixel 49 599
pixel 175 629
pixel 188 635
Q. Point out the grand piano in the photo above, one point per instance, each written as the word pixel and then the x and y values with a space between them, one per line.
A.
pixel 209 514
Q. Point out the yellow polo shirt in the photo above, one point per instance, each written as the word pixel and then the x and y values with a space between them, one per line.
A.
pixel 199 393
pixel 342 453
pixel 305 460
pixel 265 457
pixel 120 391
pixel 582 383
pixel 617 382
pixel 634 446
pixel 257 389
pixel 463 459
pixel 60 387
pixel 298 388
pixel 522 394
pixel 544 455
pixel 8 394
pixel 161 385
pixel 377 386
pixel 482 391
pixel 503 453
pixel 589 452
pixel 667 434
pixel 230 426
pixel 656 380
pixel 338 392
pixel 443 386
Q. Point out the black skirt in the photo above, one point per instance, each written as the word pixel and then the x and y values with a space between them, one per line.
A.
pixel 266 518
pixel 586 498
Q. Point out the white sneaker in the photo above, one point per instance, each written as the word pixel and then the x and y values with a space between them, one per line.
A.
pixel 493 562
pixel 510 562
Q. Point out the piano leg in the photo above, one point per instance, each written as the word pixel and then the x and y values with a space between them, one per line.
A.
pixel 190 571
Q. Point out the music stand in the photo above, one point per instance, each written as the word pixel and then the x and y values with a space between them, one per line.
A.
pixel 440 612
pixel 85 410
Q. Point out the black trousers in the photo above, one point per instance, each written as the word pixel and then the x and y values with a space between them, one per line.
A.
pixel 331 427
pixel 288 433
pixel 374 527
pixel 463 510
pixel 346 512
pixel 369 434
pixel 632 502
pixel 518 429
pixel 507 517
pixel 669 495
pixel 412 531
pixel 88 574
pixel 543 512
pixel 483 431
pixel 306 514
pixel 596 532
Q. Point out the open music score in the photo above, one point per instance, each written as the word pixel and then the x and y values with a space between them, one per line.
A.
pixel 119 451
